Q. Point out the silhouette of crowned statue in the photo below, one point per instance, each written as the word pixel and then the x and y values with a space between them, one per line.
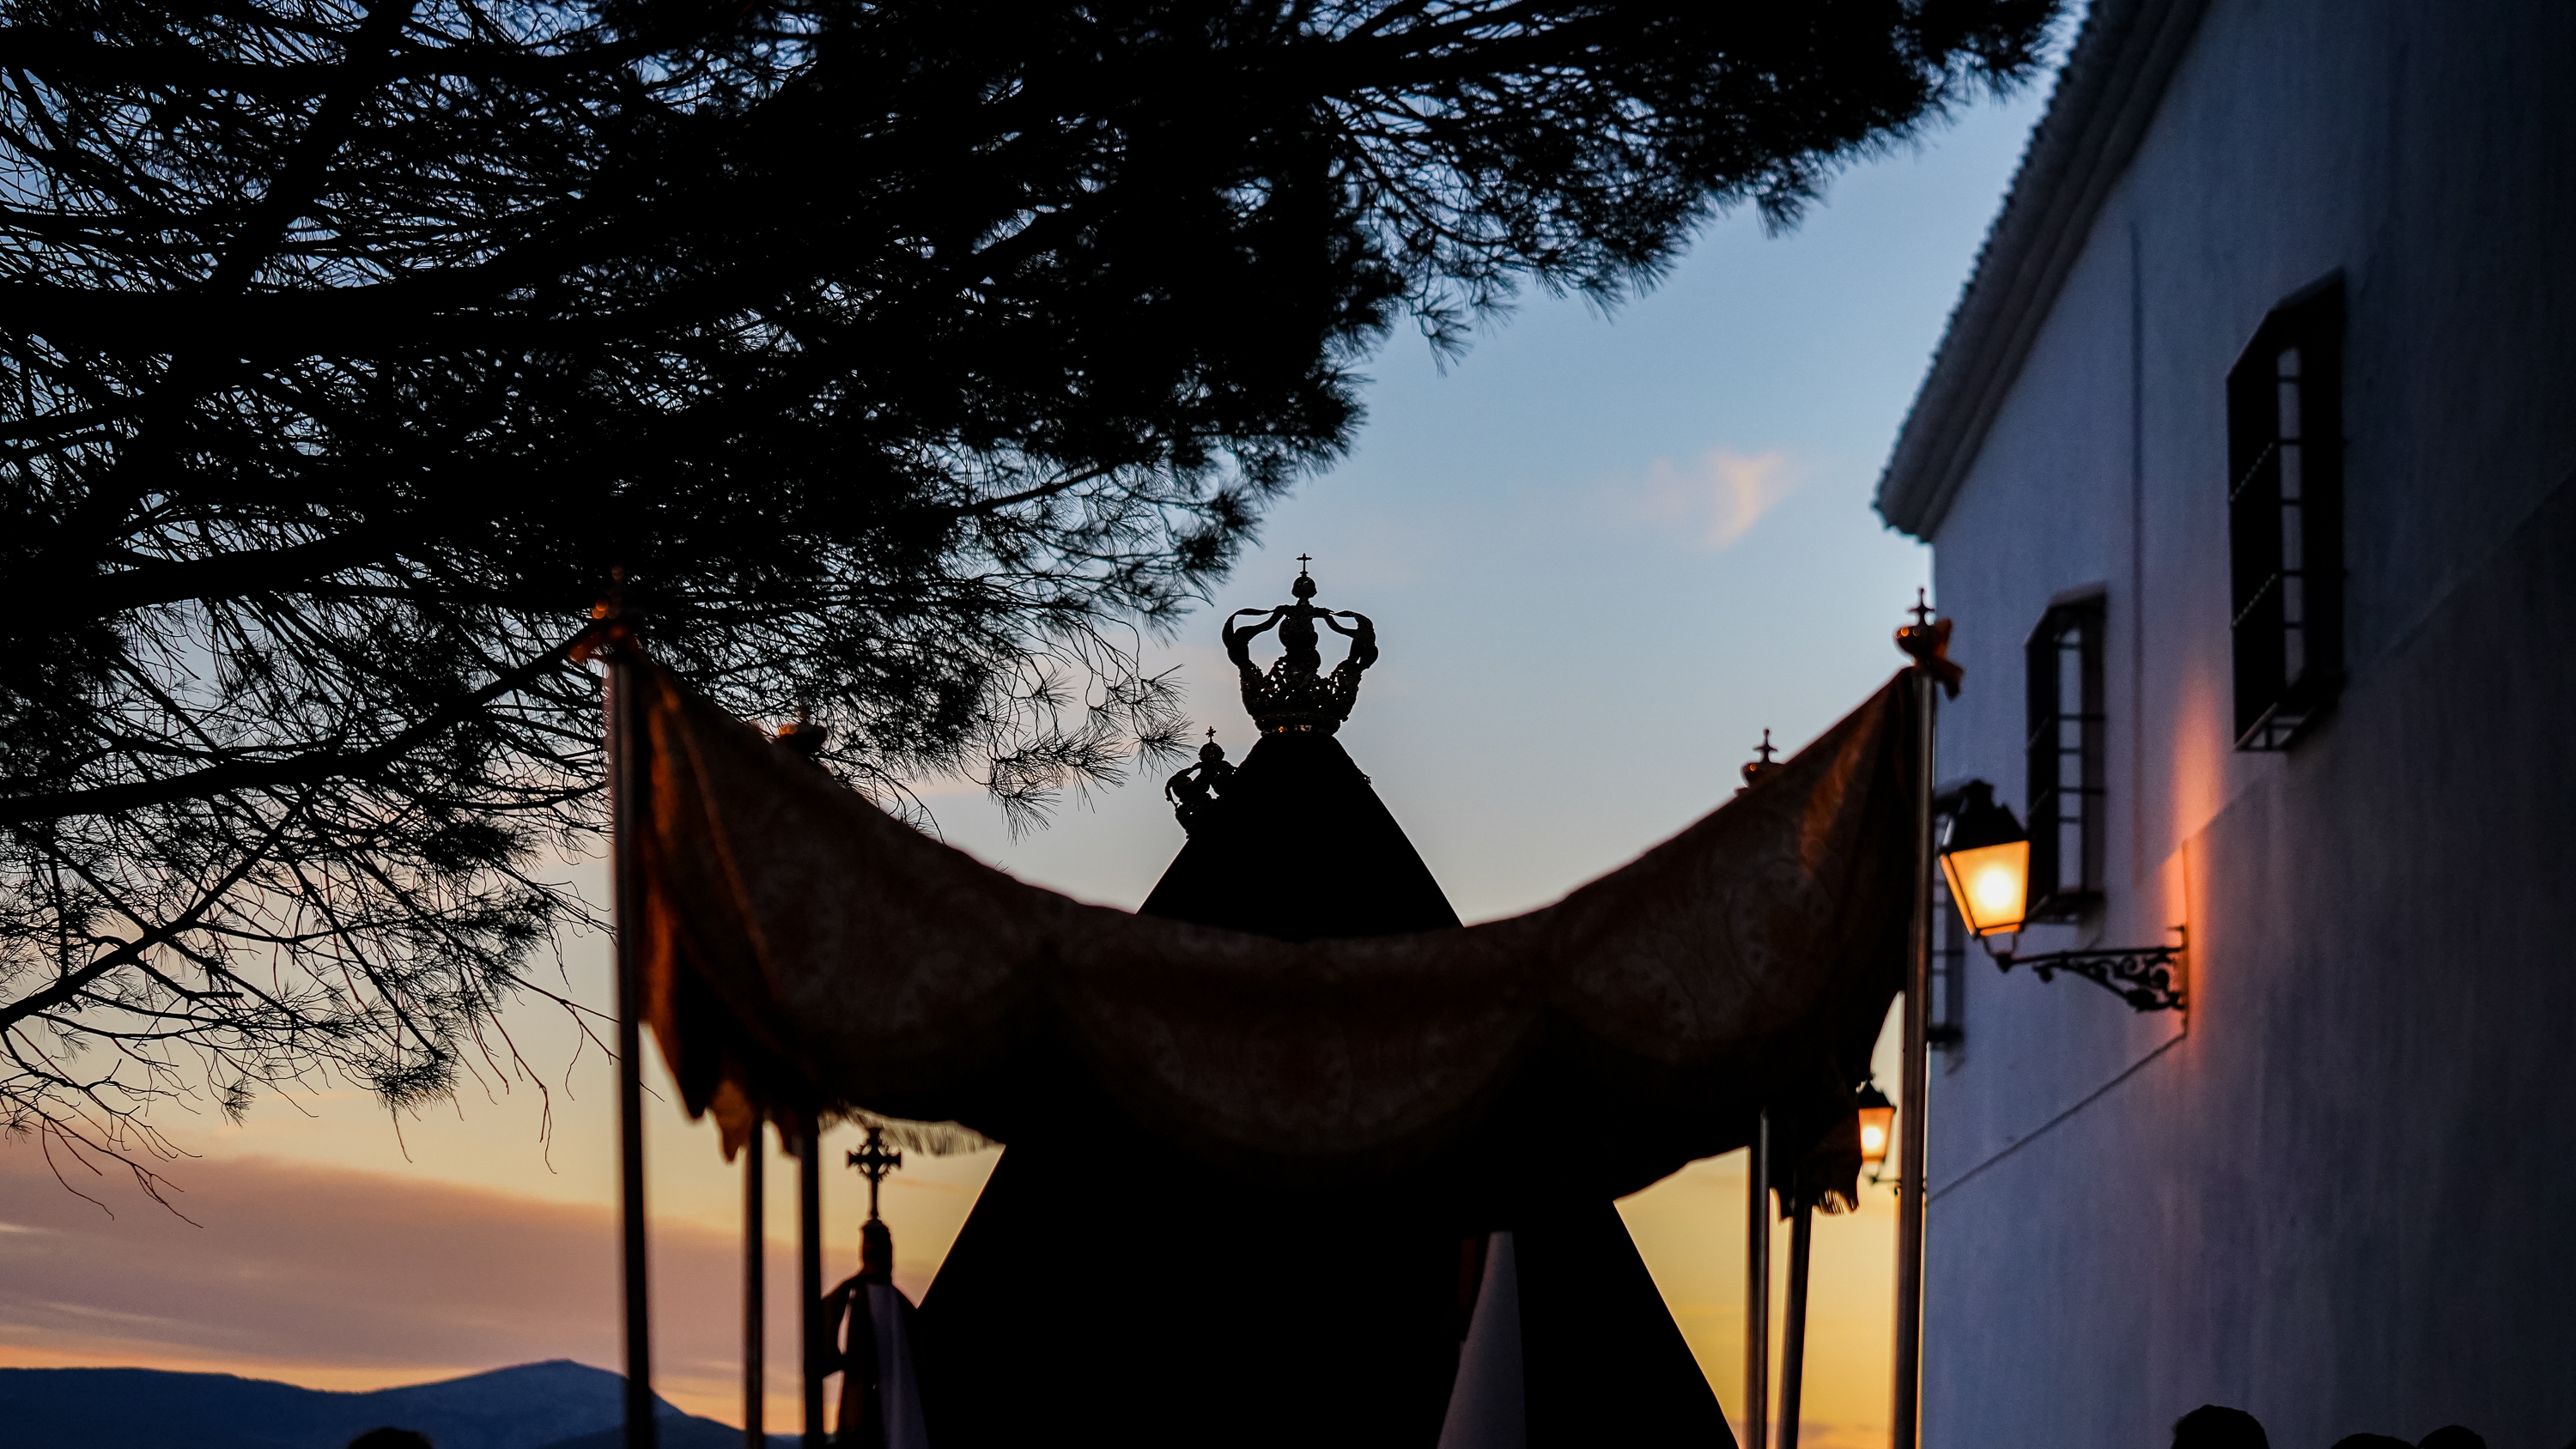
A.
pixel 1297 804
pixel 1110 1287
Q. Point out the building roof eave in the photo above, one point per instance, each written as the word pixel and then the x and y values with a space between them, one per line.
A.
pixel 2109 90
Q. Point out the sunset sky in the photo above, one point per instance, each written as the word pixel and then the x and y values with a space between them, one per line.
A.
pixel 1603 554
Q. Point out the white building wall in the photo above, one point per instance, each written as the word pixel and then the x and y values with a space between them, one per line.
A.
pixel 2340 1192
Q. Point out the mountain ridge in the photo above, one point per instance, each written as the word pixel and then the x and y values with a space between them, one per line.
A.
pixel 553 1404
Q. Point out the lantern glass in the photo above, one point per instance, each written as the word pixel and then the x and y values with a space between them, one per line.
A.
pixel 1877 1130
pixel 1877 1126
pixel 1990 884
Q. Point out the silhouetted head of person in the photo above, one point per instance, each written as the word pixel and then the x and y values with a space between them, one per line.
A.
pixel 2214 1426
pixel 391 1439
pixel 876 1252
pixel 2370 1441
pixel 2451 1436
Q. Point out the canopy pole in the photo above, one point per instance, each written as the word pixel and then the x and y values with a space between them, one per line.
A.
pixel 1906 1424
pixel 1793 1346
pixel 809 1274
pixel 755 1295
pixel 630 1056
pixel 1757 1285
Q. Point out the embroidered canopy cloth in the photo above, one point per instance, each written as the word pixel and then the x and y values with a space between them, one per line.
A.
pixel 802 951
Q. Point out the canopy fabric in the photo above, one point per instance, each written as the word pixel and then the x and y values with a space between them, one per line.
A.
pixel 804 951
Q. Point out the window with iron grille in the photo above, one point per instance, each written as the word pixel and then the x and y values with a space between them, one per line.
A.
pixel 1946 1025
pixel 2285 519
pixel 2066 759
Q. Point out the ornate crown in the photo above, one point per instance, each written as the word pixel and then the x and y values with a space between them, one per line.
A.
pixel 1294 694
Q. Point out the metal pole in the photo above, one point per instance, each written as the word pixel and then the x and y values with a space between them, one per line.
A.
pixel 1757 1286
pixel 809 1274
pixel 755 1295
pixel 1907 1420
pixel 630 1062
pixel 1793 1347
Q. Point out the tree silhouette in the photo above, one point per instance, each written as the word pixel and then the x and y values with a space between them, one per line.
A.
pixel 909 357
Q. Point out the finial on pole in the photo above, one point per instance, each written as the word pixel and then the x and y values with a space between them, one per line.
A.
pixel 875 1162
pixel 1762 764
pixel 1927 642
pixel 608 625
pixel 802 734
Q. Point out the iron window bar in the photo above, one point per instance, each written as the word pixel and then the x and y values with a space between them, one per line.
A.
pixel 2064 751
pixel 2285 519
pixel 1949 974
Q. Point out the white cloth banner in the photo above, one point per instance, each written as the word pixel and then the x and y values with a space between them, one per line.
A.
pixel 1488 1408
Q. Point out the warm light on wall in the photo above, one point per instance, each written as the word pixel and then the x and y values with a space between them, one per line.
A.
pixel 1987 860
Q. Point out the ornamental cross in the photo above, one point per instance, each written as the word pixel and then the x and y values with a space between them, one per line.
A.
pixel 1304 559
pixel 875 1162
pixel 1765 749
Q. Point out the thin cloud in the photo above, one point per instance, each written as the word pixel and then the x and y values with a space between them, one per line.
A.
pixel 352 1279
pixel 1720 495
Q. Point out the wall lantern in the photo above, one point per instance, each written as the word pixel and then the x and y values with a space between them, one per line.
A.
pixel 1877 1127
pixel 1986 858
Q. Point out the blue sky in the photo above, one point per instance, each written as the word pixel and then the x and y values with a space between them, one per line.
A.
pixel 1603 554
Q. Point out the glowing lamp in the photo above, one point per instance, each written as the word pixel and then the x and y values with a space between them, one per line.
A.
pixel 1986 858
pixel 1877 1126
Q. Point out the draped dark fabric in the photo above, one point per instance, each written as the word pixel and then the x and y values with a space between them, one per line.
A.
pixel 803 951
pixel 1164 1304
pixel 1226 1311
pixel 1604 1363
pixel 1171 1307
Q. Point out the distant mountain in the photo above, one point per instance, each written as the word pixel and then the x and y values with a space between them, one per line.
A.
pixel 554 1405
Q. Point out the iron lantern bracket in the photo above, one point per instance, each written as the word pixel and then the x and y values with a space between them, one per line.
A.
pixel 2146 977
